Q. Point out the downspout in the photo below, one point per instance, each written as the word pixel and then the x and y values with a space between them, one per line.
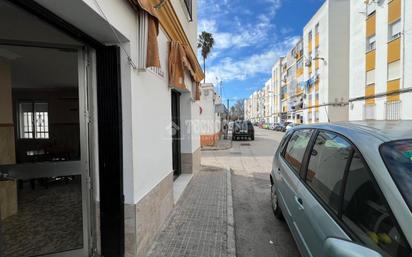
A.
pixel 403 42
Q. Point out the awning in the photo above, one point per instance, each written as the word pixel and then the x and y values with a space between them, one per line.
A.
pixel 152 59
pixel 180 60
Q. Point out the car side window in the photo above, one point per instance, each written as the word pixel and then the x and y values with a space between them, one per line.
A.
pixel 296 148
pixel 327 164
pixel 366 214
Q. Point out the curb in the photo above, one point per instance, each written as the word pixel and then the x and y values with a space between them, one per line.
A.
pixel 231 237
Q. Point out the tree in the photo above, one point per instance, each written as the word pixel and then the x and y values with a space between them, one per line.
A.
pixel 206 43
pixel 237 110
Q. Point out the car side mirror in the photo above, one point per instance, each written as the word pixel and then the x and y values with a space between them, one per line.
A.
pixel 334 247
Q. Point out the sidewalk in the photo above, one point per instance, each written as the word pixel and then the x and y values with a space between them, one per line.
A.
pixel 223 144
pixel 201 225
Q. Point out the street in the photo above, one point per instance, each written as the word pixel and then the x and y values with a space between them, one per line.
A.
pixel 258 233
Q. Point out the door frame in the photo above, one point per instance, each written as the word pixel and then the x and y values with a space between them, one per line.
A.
pixel 176 134
pixel 113 248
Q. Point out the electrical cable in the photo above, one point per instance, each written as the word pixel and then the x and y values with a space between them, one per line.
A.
pixel 129 58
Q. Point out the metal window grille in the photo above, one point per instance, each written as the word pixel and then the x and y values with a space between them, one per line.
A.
pixel 393 110
pixel 34 120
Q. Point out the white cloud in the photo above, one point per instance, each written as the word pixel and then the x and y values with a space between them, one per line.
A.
pixel 229 69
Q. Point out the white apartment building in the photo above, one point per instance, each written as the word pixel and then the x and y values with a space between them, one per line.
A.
pixel 326 61
pixel 380 60
pixel 276 85
pixel 268 101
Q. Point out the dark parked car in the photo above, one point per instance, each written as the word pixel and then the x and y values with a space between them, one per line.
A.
pixel 243 130
pixel 282 126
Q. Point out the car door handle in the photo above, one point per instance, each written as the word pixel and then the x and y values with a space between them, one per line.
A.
pixel 300 203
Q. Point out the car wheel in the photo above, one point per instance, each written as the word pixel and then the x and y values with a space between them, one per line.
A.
pixel 275 204
pixel 252 138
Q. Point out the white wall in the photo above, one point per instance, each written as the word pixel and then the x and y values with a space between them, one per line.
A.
pixel 338 60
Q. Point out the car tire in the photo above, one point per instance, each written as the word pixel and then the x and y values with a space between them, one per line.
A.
pixel 252 138
pixel 275 204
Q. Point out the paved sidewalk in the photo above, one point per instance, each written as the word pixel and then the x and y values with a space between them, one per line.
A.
pixel 222 144
pixel 198 226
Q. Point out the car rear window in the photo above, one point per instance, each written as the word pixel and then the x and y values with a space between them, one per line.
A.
pixel 398 159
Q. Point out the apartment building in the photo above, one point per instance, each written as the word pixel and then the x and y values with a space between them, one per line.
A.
pixel 92 95
pixel 380 60
pixel 276 85
pixel 268 101
pixel 326 62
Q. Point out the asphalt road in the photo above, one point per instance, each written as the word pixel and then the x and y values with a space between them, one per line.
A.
pixel 258 232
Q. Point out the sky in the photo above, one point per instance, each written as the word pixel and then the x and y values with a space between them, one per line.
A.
pixel 250 36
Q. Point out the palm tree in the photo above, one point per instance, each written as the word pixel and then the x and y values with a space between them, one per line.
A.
pixel 206 43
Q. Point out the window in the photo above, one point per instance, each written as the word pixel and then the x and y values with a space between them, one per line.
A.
pixel 33 120
pixel 370 77
pixel 326 169
pixel 317 96
pixel 316 116
pixel 317 29
pixel 366 213
pixel 296 148
pixel 310 37
pixel 394 70
pixel 317 52
pixel 188 4
pixel 371 8
pixel 394 30
pixel 371 43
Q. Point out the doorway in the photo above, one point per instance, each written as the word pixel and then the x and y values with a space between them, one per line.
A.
pixel 44 167
pixel 176 135
pixel 44 149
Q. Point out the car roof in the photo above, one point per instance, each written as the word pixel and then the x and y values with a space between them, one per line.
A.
pixel 382 130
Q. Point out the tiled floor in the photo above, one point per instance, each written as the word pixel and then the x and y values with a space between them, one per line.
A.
pixel 49 220
pixel 198 225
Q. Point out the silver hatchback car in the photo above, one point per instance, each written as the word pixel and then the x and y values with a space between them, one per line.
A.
pixel 345 190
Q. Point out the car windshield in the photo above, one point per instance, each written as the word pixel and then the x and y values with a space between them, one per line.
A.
pixel 398 159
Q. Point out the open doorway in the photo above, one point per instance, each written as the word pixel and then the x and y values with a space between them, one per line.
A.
pixel 44 155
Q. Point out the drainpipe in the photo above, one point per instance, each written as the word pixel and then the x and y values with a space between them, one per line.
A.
pixel 403 41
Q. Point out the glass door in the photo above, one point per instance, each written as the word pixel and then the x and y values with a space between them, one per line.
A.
pixel 44 168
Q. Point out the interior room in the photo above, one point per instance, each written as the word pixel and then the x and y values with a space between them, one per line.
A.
pixel 41 179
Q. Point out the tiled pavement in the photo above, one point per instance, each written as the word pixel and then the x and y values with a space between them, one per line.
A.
pixel 198 226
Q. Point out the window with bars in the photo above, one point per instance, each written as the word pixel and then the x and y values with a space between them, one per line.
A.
pixel 34 120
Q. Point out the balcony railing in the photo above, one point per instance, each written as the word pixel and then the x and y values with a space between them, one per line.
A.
pixel 393 110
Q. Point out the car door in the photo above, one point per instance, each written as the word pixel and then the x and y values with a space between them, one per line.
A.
pixel 289 166
pixel 319 199
pixel 367 215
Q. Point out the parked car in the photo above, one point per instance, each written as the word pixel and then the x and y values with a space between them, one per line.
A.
pixel 273 126
pixel 290 126
pixel 346 189
pixel 243 130
pixel 282 126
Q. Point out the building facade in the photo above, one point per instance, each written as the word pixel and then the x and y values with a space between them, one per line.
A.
pixel 380 55
pixel 93 94
pixel 210 118
pixel 326 62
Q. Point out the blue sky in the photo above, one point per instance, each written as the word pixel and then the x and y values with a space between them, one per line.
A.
pixel 250 35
